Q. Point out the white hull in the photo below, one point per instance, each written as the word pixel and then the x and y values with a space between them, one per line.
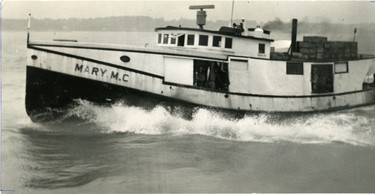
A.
pixel 152 73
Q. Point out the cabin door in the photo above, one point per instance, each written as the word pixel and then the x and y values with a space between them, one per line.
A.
pixel 322 78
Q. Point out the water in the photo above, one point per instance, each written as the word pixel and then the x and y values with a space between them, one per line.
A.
pixel 118 149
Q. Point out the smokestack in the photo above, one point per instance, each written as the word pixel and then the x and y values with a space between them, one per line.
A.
pixel 294 36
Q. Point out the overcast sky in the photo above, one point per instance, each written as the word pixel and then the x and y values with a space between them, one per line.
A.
pixel 261 11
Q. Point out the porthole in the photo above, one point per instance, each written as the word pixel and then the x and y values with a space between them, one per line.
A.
pixel 125 58
pixel 34 57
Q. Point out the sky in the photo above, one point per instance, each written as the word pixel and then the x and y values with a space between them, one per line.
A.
pixel 261 11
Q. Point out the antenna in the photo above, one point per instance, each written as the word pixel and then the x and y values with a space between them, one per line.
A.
pixel 201 14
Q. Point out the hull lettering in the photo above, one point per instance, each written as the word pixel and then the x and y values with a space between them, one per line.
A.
pixel 101 72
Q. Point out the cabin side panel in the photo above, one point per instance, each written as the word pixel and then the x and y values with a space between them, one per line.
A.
pixel 239 76
pixel 272 78
pixel 353 79
pixel 178 70
pixel 268 78
pixel 252 48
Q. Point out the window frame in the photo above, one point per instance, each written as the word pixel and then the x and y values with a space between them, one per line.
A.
pixel 293 70
pixel 219 43
pixel 173 40
pixel 259 48
pixel 160 38
pixel 226 43
pixel 202 40
pixel 166 39
pixel 342 62
pixel 192 41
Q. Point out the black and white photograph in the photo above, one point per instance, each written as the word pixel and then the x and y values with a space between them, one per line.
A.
pixel 157 96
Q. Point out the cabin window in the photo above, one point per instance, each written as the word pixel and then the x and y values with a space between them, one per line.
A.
pixel 341 67
pixel 228 43
pixel 294 68
pixel 203 40
pixel 159 38
pixel 216 41
pixel 181 40
pixel 165 39
pixel 173 40
pixel 262 48
pixel 190 39
pixel 211 75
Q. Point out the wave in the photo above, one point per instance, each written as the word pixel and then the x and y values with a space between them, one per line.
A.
pixel 345 126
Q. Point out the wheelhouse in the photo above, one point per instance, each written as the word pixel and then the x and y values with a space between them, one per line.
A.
pixel 219 41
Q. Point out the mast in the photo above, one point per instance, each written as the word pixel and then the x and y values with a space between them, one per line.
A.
pixel 231 17
pixel 28 30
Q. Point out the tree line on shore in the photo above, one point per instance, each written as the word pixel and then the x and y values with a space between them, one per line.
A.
pixel 146 24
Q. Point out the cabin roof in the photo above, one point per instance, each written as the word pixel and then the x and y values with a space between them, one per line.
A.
pixel 227 33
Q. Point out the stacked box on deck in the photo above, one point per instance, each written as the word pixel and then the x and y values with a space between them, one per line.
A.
pixel 319 48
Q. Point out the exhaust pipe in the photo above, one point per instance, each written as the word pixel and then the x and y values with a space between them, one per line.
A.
pixel 294 36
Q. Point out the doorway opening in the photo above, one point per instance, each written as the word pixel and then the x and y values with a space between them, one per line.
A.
pixel 322 78
pixel 211 75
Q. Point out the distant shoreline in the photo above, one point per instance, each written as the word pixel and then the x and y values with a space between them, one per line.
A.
pixel 148 24
pixel 52 30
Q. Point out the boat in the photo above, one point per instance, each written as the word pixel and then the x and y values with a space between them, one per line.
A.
pixel 234 68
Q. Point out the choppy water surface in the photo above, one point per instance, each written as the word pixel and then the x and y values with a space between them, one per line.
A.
pixel 119 148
